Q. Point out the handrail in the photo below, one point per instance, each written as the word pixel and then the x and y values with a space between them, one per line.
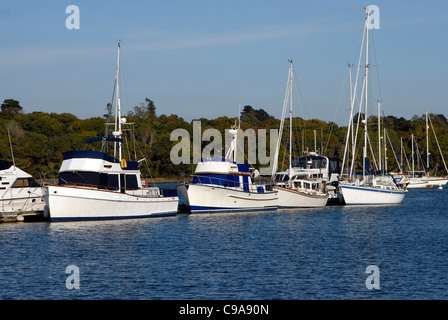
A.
pixel 227 183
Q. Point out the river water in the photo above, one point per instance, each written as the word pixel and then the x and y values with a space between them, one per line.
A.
pixel 307 254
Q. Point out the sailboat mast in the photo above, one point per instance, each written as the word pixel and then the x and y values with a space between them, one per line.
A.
pixel 385 150
pixel 401 153
pixel 290 120
pixel 427 146
pixel 282 122
pixel 413 168
pixel 117 132
pixel 365 95
pixel 379 137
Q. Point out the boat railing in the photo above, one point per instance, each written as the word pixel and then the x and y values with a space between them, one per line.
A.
pixel 248 186
pixel 310 186
pixel 142 192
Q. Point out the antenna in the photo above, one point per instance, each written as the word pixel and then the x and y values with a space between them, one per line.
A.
pixel 12 153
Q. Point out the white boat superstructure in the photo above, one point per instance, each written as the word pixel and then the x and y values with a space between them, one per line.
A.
pixel 314 166
pixel 294 189
pixel 300 192
pixel 370 188
pixel 95 186
pixel 19 192
pixel 224 185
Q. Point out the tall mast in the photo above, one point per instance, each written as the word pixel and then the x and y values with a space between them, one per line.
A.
pixel 413 168
pixel 379 137
pixel 401 152
pixel 288 92
pixel 385 150
pixel 117 132
pixel 427 146
pixel 290 119
pixel 365 95
pixel 350 127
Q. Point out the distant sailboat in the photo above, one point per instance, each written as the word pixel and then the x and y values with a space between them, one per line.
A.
pixel 415 179
pixel 418 179
pixel 295 189
pixel 370 188
pixel 431 180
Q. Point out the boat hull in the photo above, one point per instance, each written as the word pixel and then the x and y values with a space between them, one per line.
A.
pixel 437 181
pixel 359 195
pixel 76 203
pixel 207 198
pixel 421 183
pixel 19 200
pixel 416 184
pixel 289 198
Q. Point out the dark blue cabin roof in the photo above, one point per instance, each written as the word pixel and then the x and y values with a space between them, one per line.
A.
pixel 77 154
pixel 5 164
pixel 242 167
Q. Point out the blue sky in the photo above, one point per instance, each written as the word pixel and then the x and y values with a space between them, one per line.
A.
pixel 206 58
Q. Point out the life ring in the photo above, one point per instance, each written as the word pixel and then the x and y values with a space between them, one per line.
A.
pixel 123 164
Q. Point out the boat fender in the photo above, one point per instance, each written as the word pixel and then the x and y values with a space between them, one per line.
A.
pixel 255 174
pixel 124 163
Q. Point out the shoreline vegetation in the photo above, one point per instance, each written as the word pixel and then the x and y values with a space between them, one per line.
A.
pixel 38 139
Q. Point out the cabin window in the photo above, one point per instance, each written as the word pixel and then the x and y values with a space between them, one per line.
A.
pixel 21 183
pixel 83 179
pixel 131 181
pixel 24 183
pixel 112 181
pixel 218 179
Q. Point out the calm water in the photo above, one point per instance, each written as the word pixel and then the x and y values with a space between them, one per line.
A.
pixel 284 254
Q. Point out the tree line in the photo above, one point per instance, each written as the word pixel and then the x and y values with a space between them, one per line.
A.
pixel 38 139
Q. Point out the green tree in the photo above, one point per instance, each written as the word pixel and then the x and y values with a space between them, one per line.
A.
pixel 144 110
pixel 253 116
pixel 10 108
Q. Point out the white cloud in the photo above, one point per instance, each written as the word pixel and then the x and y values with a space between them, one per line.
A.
pixel 154 40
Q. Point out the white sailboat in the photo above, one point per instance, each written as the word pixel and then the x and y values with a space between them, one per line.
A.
pixel 224 185
pixel 415 178
pixel 371 188
pixel 419 179
pixel 431 180
pixel 295 188
pixel 96 186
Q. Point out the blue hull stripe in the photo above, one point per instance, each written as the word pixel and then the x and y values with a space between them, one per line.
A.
pixel 59 219
pixel 197 209
pixel 373 190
